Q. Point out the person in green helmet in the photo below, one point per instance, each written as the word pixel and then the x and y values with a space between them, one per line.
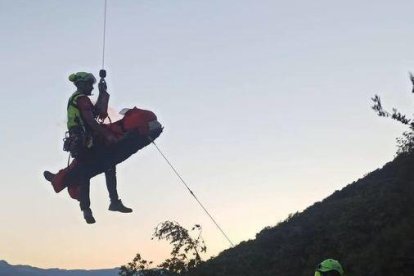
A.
pixel 329 267
pixel 88 140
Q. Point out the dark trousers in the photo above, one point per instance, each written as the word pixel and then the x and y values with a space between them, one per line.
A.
pixel 110 177
pixel 97 159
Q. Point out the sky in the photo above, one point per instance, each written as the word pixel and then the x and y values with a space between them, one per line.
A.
pixel 265 104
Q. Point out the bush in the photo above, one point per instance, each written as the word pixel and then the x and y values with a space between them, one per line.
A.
pixel 405 143
pixel 185 255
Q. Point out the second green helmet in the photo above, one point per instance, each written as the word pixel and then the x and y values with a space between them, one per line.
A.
pixel 330 265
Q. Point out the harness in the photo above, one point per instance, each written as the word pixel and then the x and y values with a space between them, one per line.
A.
pixel 77 138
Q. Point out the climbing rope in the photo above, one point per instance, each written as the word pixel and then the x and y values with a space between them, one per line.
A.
pixel 104 37
pixel 192 193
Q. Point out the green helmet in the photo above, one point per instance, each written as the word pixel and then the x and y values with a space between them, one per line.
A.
pixel 82 77
pixel 329 265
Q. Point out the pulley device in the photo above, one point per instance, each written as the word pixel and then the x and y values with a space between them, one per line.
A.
pixel 102 82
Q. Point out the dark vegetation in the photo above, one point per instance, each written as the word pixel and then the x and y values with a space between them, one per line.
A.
pixel 405 143
pixel 185 255
pixel 368 226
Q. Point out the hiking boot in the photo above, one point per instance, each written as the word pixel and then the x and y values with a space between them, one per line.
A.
pixel 49 176
pixel 56 180
pixel 118 206
pixel 87 215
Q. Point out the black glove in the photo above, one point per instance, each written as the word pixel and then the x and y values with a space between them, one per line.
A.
pixel 102 85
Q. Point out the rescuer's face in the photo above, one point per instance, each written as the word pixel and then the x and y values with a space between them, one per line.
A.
pixel 85 87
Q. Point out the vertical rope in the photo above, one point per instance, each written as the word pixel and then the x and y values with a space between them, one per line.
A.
pixel 104 37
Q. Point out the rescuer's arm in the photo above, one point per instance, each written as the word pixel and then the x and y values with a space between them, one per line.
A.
pixel 86 109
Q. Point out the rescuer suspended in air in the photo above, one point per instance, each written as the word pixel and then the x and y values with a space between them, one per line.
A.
pixel 97 147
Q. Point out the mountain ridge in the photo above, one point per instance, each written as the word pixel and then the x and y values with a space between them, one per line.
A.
pixel 7 269
pixel 368 226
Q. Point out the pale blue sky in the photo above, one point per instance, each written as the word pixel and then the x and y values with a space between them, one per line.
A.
pixel 266 108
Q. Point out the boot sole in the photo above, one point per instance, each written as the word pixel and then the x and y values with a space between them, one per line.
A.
pixel 125 212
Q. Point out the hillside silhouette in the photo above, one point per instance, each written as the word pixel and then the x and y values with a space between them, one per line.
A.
pixel 7 269
pixel 368 226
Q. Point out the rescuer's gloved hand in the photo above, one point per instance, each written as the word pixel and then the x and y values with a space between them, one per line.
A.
pixel 102 85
